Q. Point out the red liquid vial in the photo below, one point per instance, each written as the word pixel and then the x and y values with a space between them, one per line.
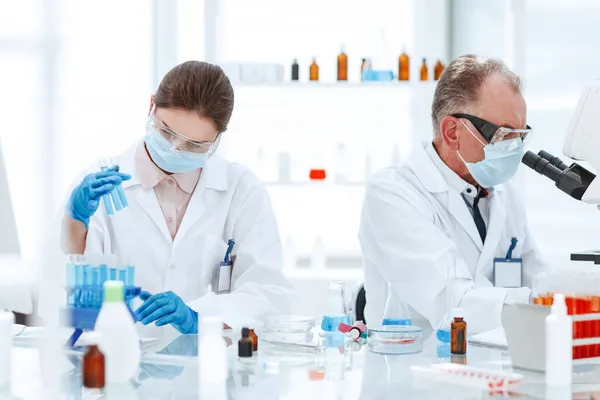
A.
pixel 317 175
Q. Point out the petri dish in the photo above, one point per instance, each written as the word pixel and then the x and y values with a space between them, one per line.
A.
pixel 395 339
pixel 269 335
pixel 289 323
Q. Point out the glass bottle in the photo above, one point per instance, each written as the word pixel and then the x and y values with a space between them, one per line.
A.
pixel 314 70
pixel 363 67
pixel 458 333
pixel 403 66
pixel 424 70
pixel 342 65
pixel 295 70
pixel 93 364
pixel 395 311
pixel 254 340
pixel 437 70
pixel 335 308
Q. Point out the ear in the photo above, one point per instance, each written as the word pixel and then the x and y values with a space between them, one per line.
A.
pixel 151 104
pixel 449 130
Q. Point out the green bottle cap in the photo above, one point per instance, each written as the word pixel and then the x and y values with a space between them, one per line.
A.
pixel 114 291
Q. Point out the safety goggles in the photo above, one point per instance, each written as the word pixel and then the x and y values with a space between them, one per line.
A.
pixel 493 133
pixel 179 141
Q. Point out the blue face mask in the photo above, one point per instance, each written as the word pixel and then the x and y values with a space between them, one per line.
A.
pixel 172 160
pixel 502 159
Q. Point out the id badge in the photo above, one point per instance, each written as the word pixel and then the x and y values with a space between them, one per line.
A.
pixel 224 277
pixel 508 272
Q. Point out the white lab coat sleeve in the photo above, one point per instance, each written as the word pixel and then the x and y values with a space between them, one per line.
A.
pixel 399 238
pixel 258 286
pixel 533 261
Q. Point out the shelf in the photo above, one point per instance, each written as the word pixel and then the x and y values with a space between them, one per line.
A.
pixel 353 85
pixel 315 184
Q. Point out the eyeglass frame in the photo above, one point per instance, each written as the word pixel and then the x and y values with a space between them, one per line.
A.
pixel 161 126
pixel 487 128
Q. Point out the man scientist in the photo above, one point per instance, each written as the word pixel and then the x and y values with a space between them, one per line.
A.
pixel 453 207
pixel 185 204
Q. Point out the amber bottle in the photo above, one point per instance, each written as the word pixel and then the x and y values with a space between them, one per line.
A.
pixel 314 70
pixel 437 70
pixel 458 333
pixel 245 344
pixel 403 66
pixel 342 66
pixel 424 71
pixel 93 368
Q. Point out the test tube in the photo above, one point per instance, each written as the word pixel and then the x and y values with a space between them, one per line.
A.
pixel 72 260
pixel 87 283
pixel 112 274
pixel 118 194
pixel 78 284
pixel 130 281
pixel 96 292
pixel 123 275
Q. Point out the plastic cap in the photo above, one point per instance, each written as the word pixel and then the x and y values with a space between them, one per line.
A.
pixel 245 332
pixel 93 337
pixel 559 306
pixel 114 291
pixel 458 313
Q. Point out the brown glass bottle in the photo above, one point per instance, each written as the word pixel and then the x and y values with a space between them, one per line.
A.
pixel 424 71
pixel 342 66
pixel 458 334
pixel 314 70
pixel 245 344
pixel 437 70
pixel 93 368
pixel 295 70
pixel 254 340
pixel 403 66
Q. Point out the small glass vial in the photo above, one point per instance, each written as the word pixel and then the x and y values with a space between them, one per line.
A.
pixel 245 344
pixel 424 70
pixel 254 339
pixel 295 70
pixel 342 65
pixel 93 364
pixel 437 70
pixel 458 333
pixel 403 66
pixel 314 70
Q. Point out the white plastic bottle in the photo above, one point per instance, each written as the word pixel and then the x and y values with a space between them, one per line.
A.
pixel 120 342
pixel 212 359
pixel 559 345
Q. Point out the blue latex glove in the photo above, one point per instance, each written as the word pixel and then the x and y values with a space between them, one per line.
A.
pixel 167 308
pixel 85 198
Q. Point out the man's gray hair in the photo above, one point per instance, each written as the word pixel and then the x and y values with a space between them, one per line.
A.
pixel 457 90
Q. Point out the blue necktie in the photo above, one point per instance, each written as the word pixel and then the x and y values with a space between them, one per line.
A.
pixel 479 222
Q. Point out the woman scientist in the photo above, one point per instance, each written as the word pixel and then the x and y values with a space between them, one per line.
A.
pixel 185 204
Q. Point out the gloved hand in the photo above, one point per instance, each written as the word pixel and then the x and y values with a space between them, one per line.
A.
pixel 85 198
pixel 167 308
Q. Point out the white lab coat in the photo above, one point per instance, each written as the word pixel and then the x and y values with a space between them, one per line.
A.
pixel 414 225
pixel 229 202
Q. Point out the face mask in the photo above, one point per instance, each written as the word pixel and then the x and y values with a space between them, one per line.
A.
pixel 502 159
pixel 170 159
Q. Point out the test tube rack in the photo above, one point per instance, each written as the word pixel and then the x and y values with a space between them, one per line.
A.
pixel 84 318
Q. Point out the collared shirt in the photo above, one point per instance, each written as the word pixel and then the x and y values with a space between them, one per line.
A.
pixel 172 191
pixel 466 190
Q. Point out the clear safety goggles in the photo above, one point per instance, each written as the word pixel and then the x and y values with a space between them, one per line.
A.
pixel 179 141
pixel 493 133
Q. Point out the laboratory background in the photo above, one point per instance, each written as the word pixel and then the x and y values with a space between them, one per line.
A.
pixel 76 79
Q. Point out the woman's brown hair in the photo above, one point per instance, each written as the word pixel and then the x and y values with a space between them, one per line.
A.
pixel 198 86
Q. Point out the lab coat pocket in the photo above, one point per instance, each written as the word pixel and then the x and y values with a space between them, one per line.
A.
pixel 202 257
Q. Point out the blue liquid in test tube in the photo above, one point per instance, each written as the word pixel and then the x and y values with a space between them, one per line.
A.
pixel 107 205
pixel 112 274
pixel 96 294
pixel 122 196
pixel 79 285
pixel 130 281
pixel 123 275
pixel 87 284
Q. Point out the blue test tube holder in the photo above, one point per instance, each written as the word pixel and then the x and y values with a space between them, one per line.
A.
pixel 84 318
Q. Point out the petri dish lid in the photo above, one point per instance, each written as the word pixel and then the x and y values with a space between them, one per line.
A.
pixel 289 323
pixel 396 332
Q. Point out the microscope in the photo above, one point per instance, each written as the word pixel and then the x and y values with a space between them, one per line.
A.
pixel 582 143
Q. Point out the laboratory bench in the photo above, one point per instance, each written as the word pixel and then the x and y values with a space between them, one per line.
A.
pixel 170 371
